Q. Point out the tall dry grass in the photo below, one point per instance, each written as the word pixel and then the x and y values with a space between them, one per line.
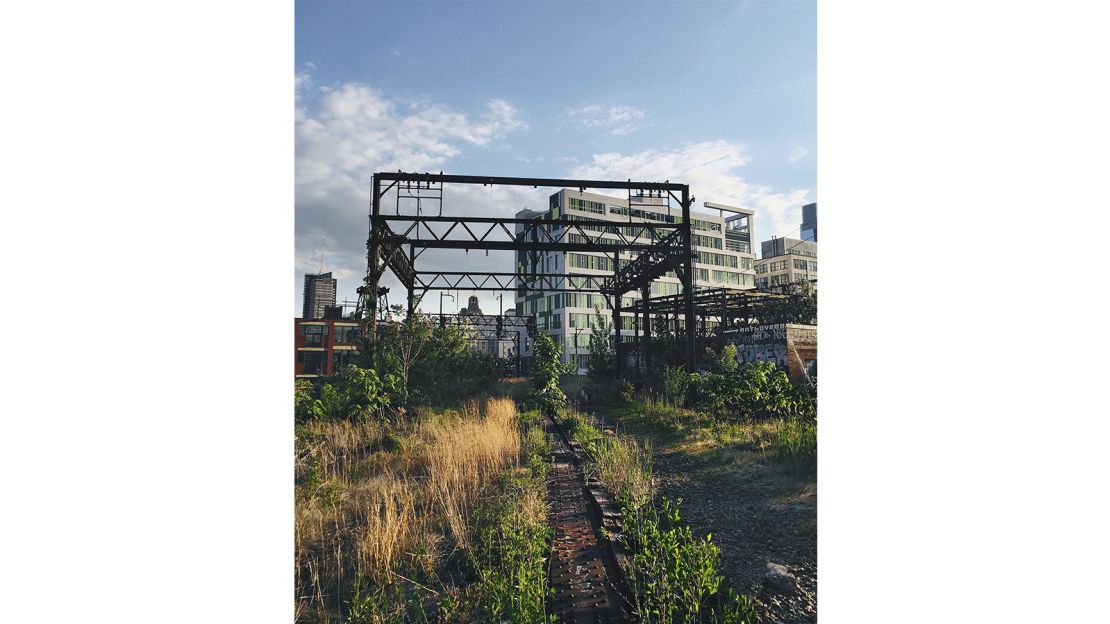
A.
pixel 370 497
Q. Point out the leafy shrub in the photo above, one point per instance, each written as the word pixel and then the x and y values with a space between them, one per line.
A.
pixel 757 391
pixel 303 401
pixel 676 577
pixel 546 368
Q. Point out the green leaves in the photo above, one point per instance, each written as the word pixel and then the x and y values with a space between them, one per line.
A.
pixel 757 391
pixel 674 576
pixel 546 368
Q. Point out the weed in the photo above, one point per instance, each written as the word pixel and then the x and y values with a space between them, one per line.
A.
pixel 795 445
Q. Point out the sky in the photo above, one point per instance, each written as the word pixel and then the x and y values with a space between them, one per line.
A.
pixel 720 95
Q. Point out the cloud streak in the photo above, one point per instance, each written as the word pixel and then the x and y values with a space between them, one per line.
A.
pixel 613 120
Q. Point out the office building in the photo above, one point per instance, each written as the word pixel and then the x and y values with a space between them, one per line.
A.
pixel 809 222
pixel 786 261
pixel 723 259
pixel 319 293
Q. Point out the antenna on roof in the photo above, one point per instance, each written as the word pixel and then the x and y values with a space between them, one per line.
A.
pixel 323 240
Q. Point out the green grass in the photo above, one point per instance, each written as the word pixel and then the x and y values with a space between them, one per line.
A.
pixel 789 443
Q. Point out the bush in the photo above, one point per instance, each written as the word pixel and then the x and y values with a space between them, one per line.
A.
pixel 675 577
pixel 546 368
pixel 758 391
pixel 302 400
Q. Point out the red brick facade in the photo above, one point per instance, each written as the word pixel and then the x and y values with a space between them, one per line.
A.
pixel 320 344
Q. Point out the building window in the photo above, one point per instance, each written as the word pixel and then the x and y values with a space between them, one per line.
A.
pixel 811 367
pixel 314 335
pixel 346 334
pixel 312 362
pixel 341 358
pixel 585 205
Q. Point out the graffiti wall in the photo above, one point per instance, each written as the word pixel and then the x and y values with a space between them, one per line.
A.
pixel 763 343
pixel 786 346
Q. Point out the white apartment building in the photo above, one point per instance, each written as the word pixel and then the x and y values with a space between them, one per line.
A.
pixel 723 259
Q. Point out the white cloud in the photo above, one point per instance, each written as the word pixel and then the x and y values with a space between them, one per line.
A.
pixel 710 168
pixel 345 133
pixel 796 154
pixel 615 120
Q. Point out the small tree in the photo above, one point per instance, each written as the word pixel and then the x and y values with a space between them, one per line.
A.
pixel 546 368
pixel 400 347
pixel 602 357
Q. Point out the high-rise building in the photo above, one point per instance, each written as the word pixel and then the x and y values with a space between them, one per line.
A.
pixel 785 261
pixel 319 292
pixel 809 222
pixel 723 258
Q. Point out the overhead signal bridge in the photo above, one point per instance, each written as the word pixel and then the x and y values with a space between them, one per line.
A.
pixel 397 241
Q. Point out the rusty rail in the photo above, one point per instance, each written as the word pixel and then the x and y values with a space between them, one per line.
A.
pixel 588 584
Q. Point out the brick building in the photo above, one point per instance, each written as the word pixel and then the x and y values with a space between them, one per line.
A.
pixel 323 346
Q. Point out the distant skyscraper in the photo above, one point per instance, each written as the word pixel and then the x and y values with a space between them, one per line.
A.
pixel 319 291
pixel 809 222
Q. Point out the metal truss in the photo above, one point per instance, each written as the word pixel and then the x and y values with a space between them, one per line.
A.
pixel 648 266
pixel 659 247
pixel 731 307
pixel 500 327
pixel 525 282
pixel 535 235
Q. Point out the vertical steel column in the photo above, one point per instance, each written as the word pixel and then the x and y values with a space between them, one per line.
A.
pixel 637 323
pixel 412 263
pixel 373 276
pixel 617 316
pixel 688 278
pixel 645 295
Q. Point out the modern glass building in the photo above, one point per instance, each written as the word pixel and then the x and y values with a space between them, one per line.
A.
pixel 319 292
pixel 723 258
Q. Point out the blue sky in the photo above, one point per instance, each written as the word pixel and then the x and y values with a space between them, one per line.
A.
pixel 721 95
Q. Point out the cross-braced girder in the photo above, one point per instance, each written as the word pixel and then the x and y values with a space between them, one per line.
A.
pixel 659 247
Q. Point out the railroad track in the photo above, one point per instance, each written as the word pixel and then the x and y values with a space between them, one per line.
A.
pixel 589 585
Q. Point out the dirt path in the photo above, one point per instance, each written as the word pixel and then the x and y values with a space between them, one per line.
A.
pixel 756 515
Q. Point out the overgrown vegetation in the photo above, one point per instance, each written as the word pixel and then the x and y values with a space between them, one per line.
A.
pixel 753 404
pixel 547 366
pixel 435 516
pixel 675 577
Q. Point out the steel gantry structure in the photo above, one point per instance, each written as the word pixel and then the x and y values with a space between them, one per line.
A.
pixel 397 240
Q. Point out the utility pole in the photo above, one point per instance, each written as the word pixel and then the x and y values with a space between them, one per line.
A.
pixel 441 296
